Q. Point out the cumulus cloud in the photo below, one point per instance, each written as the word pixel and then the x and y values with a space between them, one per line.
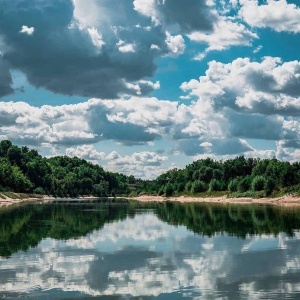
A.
pixel 243 100
pixel 267 87
pixel 143 164
pixel 129 122
pixel 27 30
pixel 195 15
pixel 225 34
pixel 81 53
pixel 232 102
pixel 278 15
pixel 87 152
pixel 175 44
pixel 96 37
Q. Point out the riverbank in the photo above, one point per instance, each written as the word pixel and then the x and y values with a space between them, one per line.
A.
pixel 8 199
pixel 286 200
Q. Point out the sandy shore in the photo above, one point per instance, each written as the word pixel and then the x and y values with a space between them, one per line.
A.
pixel 9 201
pixel 282 201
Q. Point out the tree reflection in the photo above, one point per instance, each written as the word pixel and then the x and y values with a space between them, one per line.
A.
pixel 25 226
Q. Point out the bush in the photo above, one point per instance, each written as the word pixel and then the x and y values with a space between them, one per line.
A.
pixel 233 185
pixel 169 189
pixel 244 184
pixel 198 186
pixel 215 185
pixel 188 187
pixel 258 183
pixel 270 186
pixel 39 191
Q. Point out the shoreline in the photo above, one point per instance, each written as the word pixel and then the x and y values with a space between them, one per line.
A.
pixel 287 200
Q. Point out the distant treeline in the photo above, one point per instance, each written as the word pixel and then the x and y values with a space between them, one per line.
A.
pixel 23 170
pixel 237 177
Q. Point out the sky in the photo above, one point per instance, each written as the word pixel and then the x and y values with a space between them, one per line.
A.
pixel 143 86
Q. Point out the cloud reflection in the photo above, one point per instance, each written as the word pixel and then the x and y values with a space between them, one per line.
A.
pixel 143 256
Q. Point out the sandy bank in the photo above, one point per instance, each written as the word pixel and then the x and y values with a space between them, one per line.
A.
pixel 283 201
pixel 10 201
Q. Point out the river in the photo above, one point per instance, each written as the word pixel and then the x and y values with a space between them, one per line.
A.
pixel 129 250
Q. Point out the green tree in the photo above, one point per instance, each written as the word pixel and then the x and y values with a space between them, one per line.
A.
pixel 198 186
pixel 258 183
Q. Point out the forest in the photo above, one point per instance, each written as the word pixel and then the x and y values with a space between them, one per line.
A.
pixel 24 170
pixel 237 177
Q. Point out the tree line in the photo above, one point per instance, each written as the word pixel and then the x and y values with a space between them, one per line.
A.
pixel 24 170
pixel 238 177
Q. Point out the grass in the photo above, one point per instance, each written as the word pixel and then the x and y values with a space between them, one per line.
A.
pixel 248 194
pixel 17 196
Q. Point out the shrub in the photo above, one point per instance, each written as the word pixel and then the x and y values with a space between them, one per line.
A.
pixel 270 186
pixel 188 187
pixel 244 184
pixel 39 191
pixel 169 189
pixel 258 183
pixel 198 186
pixel 215 185
pixel 233 185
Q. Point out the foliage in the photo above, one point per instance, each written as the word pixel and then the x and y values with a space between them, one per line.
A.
pixel 198 186
pixel 23 170
pixel 258 183
pixel 235 176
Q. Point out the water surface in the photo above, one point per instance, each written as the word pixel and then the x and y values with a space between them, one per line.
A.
pixel 126 250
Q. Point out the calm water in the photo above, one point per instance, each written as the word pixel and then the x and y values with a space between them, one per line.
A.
pixel 121 250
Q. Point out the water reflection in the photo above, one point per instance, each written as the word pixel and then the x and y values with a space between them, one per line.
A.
pixel 161 251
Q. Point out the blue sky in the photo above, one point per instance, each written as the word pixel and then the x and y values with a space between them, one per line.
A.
pixel 142 86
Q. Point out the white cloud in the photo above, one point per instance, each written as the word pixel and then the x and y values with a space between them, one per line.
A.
pixel 27 30
pixel 88 152
pixel 126 48
pixel 175 44
pixel 231 102
pixel 226 33
pixel 148 9
pixel 276 14
pixel 143 164
pixel 269 87
pixel 154 47
pixel 96 37
pixel 206 144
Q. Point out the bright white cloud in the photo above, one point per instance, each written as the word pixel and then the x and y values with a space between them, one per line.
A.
pixel 96 37
pixel 125 48
pixel 27 30
pixel 269 87
pixel 276 14
pixel 143 164
pixel 226 33
pixel 85 151
pixel 175 44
